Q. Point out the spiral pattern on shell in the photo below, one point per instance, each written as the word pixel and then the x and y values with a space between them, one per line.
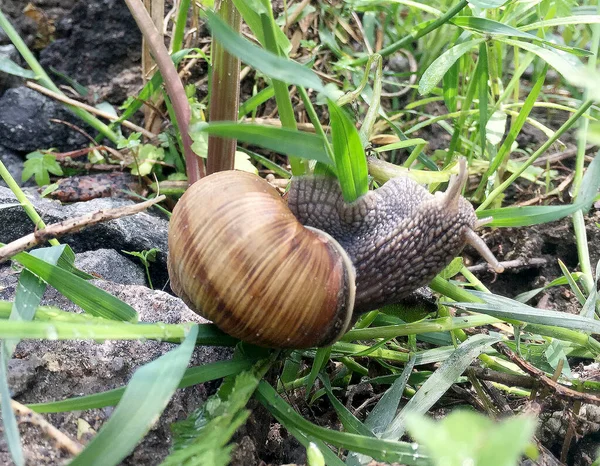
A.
pixel 238 257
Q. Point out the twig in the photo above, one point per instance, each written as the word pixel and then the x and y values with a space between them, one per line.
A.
pixel 72 225
pixel 510 380
pixel 195 168
pixel 533 262
pixel 551 158
pixel 87 108
pixel 63 441
pixel 560 390
pixel 74 128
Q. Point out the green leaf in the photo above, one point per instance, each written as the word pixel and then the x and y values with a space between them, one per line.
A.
pixel 145 398
pixel 489 26
pixel 484 4
pixel 282 140
pixel 10 67
pixel 146 156
pixel 466 437
pixel 441 380
pixel 266 62
pixel 89 297
pixel 350 160
pixel 494 129
pixel 506 308
pixel 193 376
pixel 251 11
pixel 495 28
pixel 385 450
pixel 203 438
pixel 564 21
pixel 442 64
pixel 40 166
pixel 9 421
pixel 533 215
pixel 571 69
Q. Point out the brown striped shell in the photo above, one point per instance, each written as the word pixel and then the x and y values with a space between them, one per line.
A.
pixel 240 258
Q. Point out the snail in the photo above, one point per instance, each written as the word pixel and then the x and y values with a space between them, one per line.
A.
pixel 297 274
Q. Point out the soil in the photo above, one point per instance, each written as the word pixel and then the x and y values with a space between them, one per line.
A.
pixel 106 59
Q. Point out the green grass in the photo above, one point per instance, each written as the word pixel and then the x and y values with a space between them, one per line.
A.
pixel 483 77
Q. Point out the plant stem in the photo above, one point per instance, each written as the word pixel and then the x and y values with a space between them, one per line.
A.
pixel 45 80
pixel 282 94
pixel 25 203
pixel 578 220
pixel 314 119
pixel 178 32
pixel 443 324
pixel 173 84
pixel 417 33
pixel 224 93
pixel 570 122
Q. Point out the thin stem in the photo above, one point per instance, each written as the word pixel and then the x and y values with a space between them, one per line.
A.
pixel 282 94
pixel 417 33
pixel 224 93
pixel 178 32
pixel 578 220
pixel 570 122
pixel 24 201
pixel 314 119
pixel 173 84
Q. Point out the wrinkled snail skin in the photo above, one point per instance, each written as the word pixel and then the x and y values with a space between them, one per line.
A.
pixel 297 275
pixel 238 257
pixel 398 237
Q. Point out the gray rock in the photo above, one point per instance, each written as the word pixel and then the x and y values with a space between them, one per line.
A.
pixel 13 163
pixel 95 42
pixel 54 370
pixel 111 266
pixel 139 232
pixel 25 122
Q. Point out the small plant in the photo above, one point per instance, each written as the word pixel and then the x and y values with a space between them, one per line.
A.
pixel 145 257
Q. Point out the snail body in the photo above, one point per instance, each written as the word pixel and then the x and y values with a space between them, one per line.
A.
pixel 296 275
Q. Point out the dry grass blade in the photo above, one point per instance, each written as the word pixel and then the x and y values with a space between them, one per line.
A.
pixel 62 441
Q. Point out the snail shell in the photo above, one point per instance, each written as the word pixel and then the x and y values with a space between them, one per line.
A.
pixel 297 276
pixel 240 258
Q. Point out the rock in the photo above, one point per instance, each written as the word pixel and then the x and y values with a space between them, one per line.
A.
pixel 138 232
pixel 13 163
pixel 54 370
pixel 95 42
pixel 109 265
pixel 25 122
pixel 31 29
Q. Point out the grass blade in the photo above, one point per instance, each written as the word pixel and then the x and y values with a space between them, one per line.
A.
pixel 90 298
pixel 350 160
pixel 266 62
pixel 432 390
pixel 509 309
pixel 192 376
pixel 283 140
pixel 145 398
pixel 385 450
pixel 442 64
